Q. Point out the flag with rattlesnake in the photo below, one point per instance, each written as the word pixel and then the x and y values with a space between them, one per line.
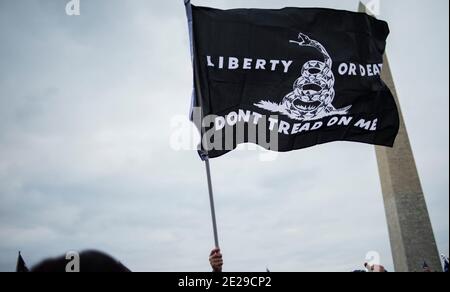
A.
pixel 313 93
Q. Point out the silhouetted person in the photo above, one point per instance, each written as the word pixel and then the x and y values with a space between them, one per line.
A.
pixel 426 268
pixel 375 268
pixel 90 262
pixel 216 260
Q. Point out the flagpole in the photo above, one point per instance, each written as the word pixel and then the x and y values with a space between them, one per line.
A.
pixel 188 6
pixel 211 201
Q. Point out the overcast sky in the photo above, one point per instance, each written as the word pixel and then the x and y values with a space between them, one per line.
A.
pixel 86 105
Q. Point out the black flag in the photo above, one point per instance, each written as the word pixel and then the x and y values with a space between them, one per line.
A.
pixel 289 79
pixel 21 266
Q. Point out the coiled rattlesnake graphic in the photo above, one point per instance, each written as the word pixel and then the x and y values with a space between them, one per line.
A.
pixel 313 92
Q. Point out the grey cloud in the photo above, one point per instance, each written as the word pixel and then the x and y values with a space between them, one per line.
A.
pixel 85 162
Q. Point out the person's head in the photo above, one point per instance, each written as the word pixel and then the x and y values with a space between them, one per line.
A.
pixel 374 268
pixel 426 268
pixel 90 262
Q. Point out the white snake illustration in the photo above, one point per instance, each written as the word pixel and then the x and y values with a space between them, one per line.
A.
pixel 313 92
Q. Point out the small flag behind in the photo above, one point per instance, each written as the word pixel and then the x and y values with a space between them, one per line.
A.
pixel 21 266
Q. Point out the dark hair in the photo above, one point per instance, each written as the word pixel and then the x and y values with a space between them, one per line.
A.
pixel 90 262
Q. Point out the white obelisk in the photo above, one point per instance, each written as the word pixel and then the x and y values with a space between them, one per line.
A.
pixel 411 234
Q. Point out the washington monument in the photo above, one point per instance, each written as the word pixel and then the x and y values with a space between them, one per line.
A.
pixel 410 231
